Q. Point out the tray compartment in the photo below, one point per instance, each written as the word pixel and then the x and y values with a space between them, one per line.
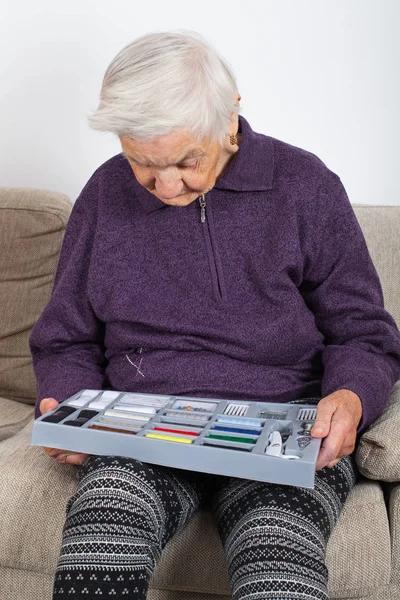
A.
pixel 241 421
pixel 135 408
pixel 120 414
pixel 144 400
pixel 188 405
pixel 288 431
pixel 297 443
pixel 185 421
pixel 272 413
pixel 101 427
pixel 289 453
pixel 307 414
pixel 234 429
pixel 236 409
pixel 103 401
pixel 176 429
pixel 169 437
pixel 59 414
pixel 231 437
pixel 88 414
pixel 191 416
pixel 212 442
pixel 120 423
pixel 82 398
pixel 78 422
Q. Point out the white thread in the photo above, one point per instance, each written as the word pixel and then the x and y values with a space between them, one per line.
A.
pixel 133 365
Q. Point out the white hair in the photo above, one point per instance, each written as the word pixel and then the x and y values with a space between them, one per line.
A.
pixel 163 81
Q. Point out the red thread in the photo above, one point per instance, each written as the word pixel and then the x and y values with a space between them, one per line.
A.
pixel 175 431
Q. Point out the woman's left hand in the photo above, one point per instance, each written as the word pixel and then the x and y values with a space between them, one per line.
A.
pixel 338 416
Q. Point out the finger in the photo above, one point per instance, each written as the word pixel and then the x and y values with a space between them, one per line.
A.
pixel 326 454
pixel 51 451
pixel 55 452
pixel 334 462
pixel 347 449
pixel 47 404
pixel 71 459
pixel 61 458
pixel 342 437
pixel 76 459
pixel 332 445
pixel 335 446
pixel 325 411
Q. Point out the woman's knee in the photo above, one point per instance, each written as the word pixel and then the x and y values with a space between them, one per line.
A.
pixel 104 474
pixel 119 490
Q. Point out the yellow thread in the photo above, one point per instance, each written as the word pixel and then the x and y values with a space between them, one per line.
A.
pixel 169 438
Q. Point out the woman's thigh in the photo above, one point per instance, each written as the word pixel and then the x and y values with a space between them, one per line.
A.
pixel 275 536
pixel 120 517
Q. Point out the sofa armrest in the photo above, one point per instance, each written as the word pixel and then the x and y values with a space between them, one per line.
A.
pixel 378 451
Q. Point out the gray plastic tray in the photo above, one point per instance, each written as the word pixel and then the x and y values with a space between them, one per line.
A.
pixel 192 447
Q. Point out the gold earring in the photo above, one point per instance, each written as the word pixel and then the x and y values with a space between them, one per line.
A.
pixel 233 140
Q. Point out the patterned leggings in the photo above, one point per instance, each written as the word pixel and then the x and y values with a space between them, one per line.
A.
pixel 124 512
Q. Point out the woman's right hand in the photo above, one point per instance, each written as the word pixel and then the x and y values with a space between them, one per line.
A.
pixel 61 456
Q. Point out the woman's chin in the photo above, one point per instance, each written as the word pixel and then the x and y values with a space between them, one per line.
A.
pixel 182 200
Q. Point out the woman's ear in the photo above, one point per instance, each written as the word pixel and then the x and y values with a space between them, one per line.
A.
pixel 234 122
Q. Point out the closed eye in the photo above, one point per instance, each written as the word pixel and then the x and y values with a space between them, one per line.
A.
pixel 188 166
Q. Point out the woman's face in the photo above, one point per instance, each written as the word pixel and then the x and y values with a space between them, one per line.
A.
pixel 175 167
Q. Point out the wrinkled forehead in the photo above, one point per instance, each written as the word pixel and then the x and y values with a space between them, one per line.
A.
pixel 172 148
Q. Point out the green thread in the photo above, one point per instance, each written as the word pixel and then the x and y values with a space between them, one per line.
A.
pixel 229 438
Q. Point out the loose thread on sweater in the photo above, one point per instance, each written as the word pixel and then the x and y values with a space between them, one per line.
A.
pixel 137 367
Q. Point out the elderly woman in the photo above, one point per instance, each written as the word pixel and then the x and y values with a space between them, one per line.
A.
pixel 209 260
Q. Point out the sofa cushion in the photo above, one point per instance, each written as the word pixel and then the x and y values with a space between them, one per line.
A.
pixel 358 554
pixel 13 417
pixel 32 224
pixel 378 451
pixel 394 519
pixel 34 494
pixel 381 229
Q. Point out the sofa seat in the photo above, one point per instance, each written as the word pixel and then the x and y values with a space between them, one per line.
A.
pixel 358 552
pixel 13 417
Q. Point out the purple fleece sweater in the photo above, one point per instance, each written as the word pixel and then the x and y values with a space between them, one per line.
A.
pixel 274 297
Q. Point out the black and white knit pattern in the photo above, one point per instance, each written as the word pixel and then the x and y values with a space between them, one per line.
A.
pixel 275 536
pixel 124 512
pixel 120 517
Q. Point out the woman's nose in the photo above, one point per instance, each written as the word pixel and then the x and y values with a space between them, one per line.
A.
pixel 168 185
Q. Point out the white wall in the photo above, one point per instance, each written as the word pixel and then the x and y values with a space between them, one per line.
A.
pixel 319 74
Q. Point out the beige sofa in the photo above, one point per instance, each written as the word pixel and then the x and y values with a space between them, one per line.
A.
pixel 363 553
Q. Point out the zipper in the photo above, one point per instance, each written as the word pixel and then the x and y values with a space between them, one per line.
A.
pixel 202 201
pixel 212 252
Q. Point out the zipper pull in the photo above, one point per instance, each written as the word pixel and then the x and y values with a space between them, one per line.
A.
pixel 202 201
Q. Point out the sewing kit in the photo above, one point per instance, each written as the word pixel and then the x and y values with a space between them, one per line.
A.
pixel 263 441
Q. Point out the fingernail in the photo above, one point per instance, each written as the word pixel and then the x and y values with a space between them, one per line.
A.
pixel 316 430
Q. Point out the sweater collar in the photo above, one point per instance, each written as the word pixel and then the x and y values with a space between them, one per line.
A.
pixel 251 169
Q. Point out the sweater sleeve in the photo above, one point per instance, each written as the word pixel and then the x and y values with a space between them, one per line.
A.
pixel 67 342
pixel 342 288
